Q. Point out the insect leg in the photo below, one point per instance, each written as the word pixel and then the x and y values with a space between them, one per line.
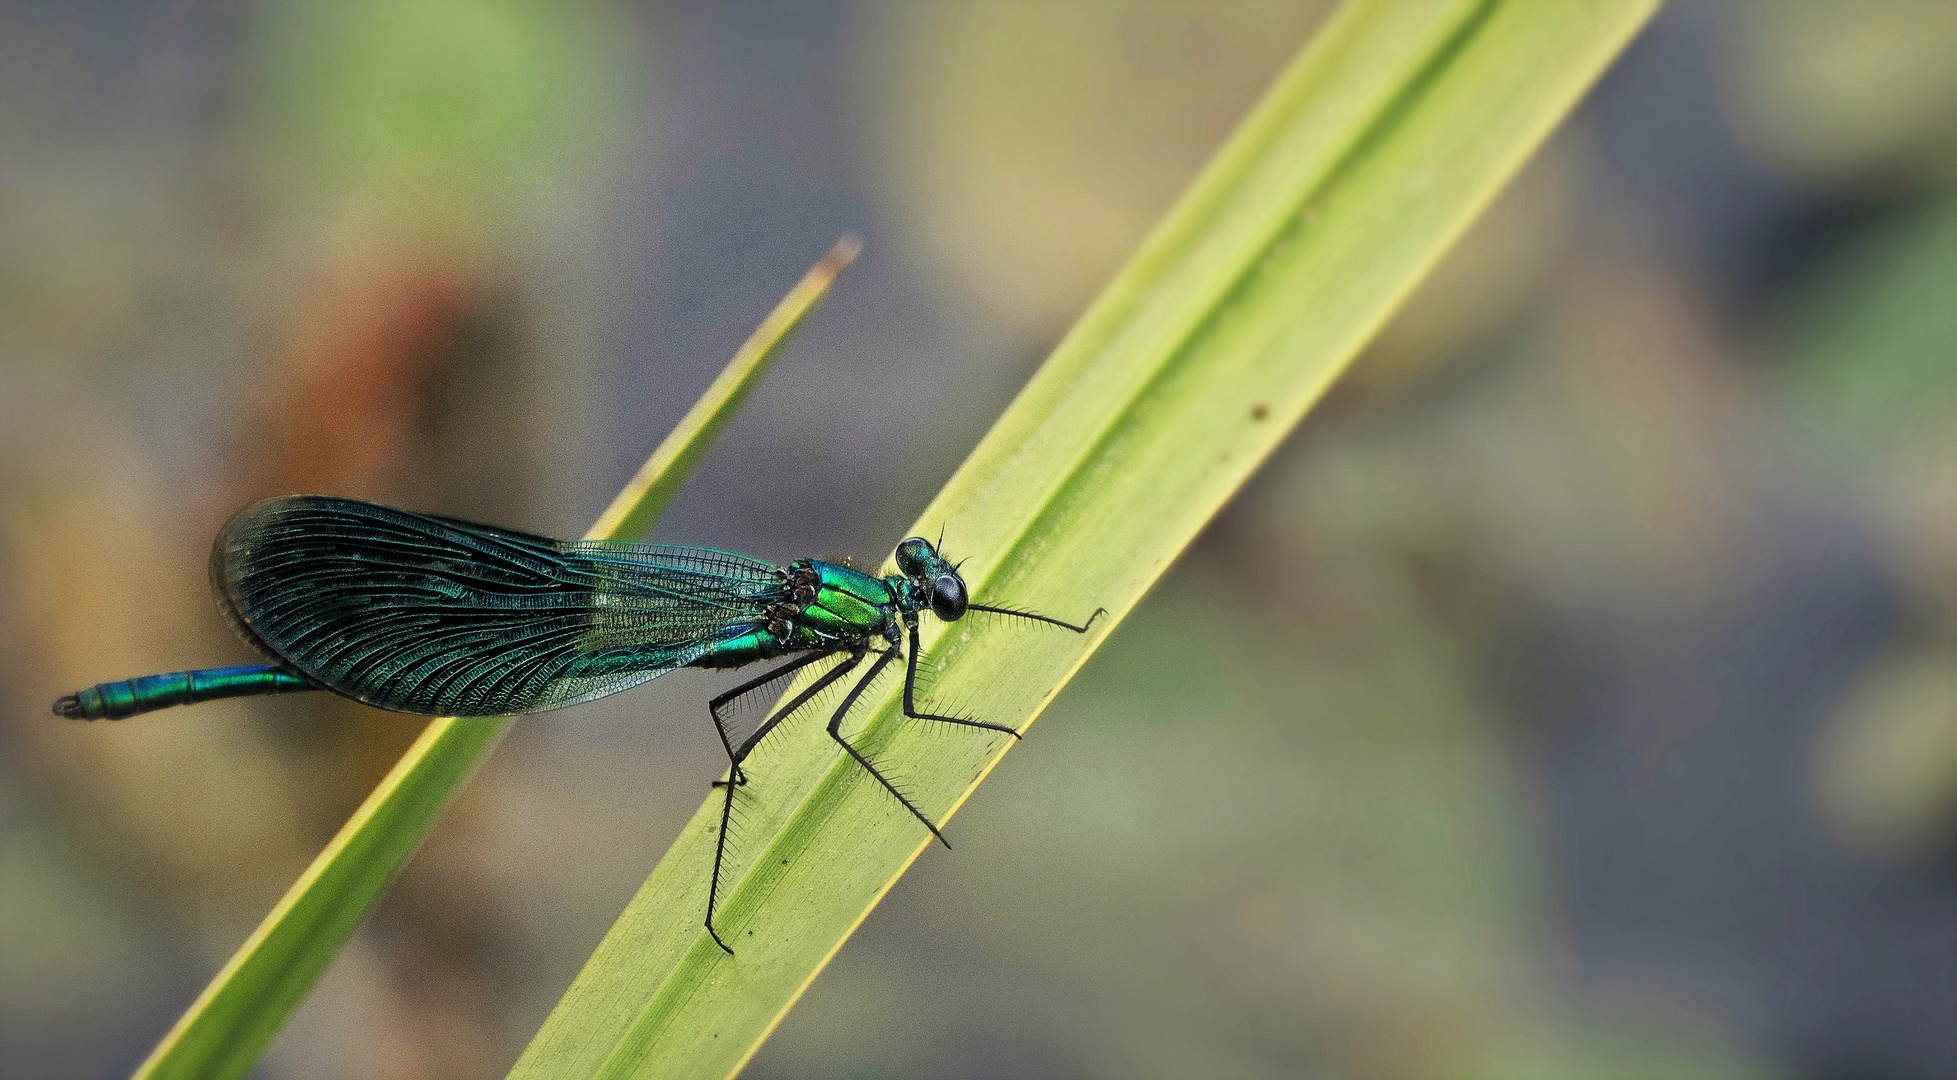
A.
pixel 827 680
pixel 910 698
pixel 736 755
pixel 835 732
pixel 1081 628
pixel 735 758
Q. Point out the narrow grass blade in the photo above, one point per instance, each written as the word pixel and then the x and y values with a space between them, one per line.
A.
pixel 647 494
pixel 238 1014
pixel 1366 160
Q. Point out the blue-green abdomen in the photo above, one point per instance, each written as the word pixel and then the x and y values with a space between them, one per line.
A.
pixel 129 697
pixel 742 649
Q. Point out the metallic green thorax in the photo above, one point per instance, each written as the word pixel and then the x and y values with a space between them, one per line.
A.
pixel 828 607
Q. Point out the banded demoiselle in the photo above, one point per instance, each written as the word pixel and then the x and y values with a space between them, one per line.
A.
pixel 430 615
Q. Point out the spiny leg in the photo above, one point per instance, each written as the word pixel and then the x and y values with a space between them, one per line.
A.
pixel 827 680
pixel 1080 628
pixel 910 697
pixel 734 758
pixel 736 755
pixel 910 675
pixel 835 732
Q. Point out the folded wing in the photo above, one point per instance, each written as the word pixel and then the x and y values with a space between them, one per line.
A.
pixel 426 614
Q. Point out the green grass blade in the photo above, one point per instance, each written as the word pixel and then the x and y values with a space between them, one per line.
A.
pixel 1367 159
pixel 238 1014
pixel 649 492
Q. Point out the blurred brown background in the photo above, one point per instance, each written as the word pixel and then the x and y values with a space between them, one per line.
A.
pixel 1575 696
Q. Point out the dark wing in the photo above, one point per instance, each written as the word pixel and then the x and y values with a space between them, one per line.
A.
pixel 426 614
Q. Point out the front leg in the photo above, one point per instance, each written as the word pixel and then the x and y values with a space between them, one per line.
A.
pixel 910 697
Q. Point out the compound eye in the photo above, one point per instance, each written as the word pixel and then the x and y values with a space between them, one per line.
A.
pixel 948 597
pixel 913 556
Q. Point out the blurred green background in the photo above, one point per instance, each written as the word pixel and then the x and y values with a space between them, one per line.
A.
pixel 1576 694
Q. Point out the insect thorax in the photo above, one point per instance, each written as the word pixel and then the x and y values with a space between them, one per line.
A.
pixel 831 606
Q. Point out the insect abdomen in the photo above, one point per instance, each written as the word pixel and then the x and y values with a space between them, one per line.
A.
pixel 129 697
pixel 759 644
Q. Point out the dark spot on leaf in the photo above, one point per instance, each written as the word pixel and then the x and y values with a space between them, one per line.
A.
pixel 1259 411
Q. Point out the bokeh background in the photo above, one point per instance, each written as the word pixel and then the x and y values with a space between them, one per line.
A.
pixel 1575 695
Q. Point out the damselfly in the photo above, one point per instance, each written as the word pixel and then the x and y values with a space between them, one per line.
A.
pixel 424 614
